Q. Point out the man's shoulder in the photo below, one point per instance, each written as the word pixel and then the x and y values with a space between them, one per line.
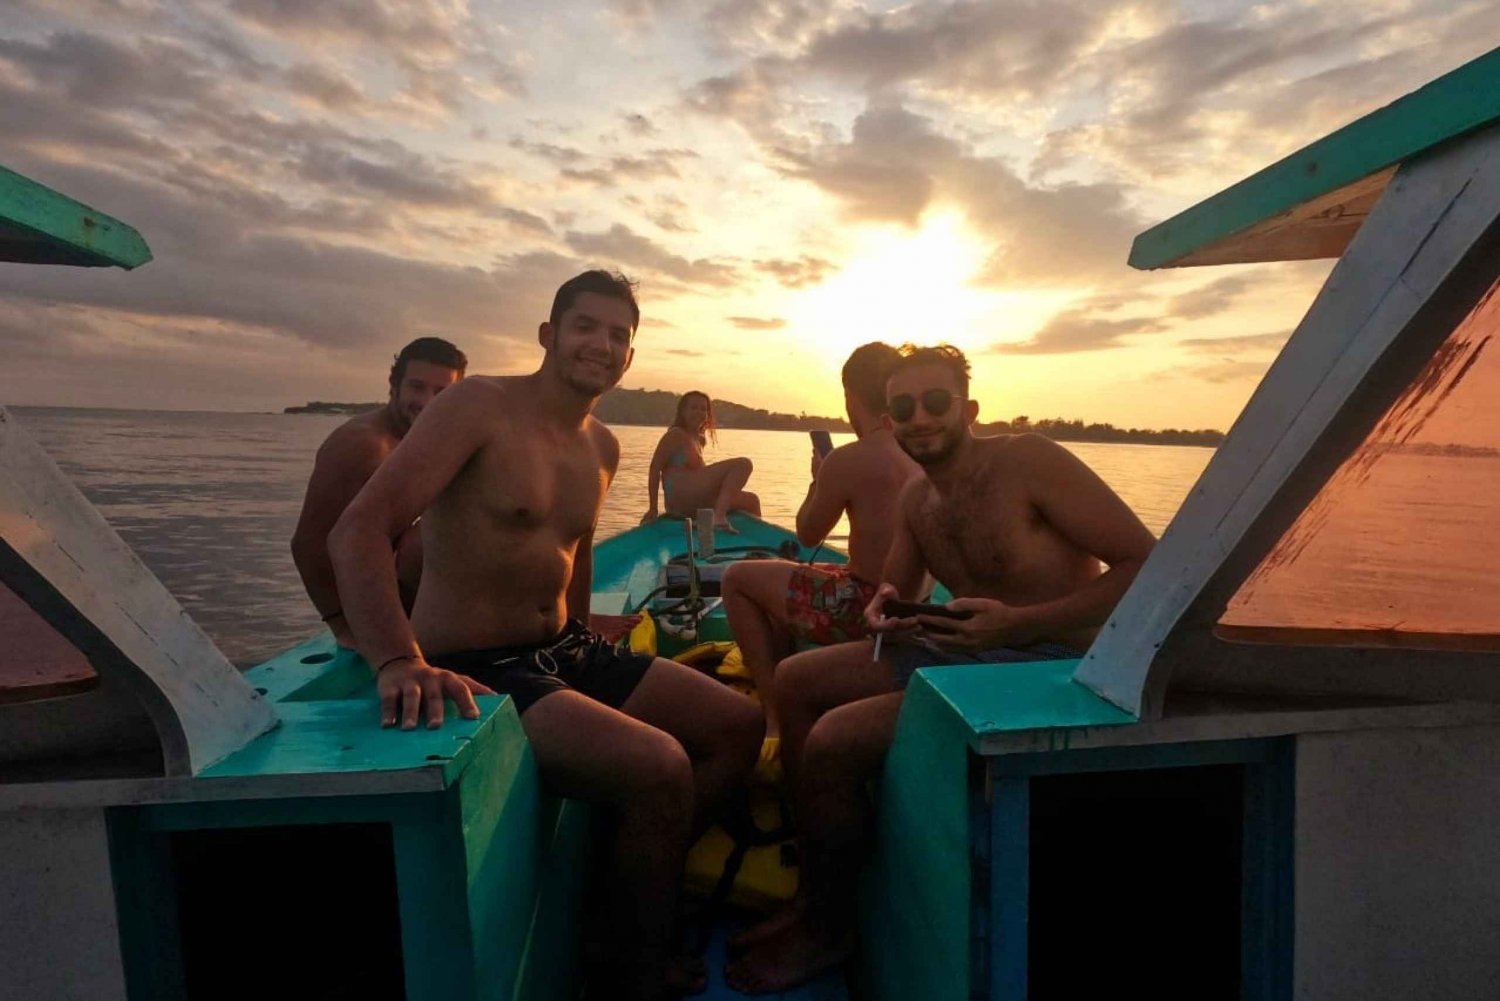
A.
pixel 602 435
pixel 366 434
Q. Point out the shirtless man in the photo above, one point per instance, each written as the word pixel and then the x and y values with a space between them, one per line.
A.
pixel 1017 528
pixel 350 456
pixel 509 475
pixel 774 604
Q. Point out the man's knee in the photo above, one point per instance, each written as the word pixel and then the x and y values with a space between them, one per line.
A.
pixel 796 674
pixel 744 726
pixel 757 581
pixel 745 464
pixel 830 754
pixel 658 770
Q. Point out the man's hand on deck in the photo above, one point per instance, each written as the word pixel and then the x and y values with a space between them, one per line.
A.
pixel 612 627
pixel 404 685
pixel 993 624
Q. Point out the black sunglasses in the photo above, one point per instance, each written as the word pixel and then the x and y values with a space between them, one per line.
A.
pixel 935 401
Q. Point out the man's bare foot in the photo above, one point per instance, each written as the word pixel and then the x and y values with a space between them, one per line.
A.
pixel 773 925
pixel 797 955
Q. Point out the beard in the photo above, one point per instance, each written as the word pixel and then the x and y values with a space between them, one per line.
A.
pixel 401 417
pixel 589 381
pixel 934 450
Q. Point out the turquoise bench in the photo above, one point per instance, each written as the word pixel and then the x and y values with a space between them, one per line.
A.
pixel 431 863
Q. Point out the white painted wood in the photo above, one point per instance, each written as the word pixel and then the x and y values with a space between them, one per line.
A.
pixel 59 939
pixel 1430 216
pixel 1397 865
pixel 201 706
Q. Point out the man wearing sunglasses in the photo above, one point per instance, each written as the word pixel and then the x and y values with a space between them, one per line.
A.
pixel 1037 550
pixel 775 604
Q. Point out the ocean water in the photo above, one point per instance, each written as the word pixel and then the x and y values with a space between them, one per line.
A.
pixel 209 500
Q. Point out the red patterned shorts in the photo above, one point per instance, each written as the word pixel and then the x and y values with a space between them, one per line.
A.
pixel 825 603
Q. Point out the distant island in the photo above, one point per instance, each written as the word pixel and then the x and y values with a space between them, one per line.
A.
pixel 656 408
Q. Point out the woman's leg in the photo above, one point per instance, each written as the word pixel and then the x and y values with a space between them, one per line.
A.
pixel 712 486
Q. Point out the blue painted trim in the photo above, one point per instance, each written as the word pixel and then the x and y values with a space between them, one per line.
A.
pixel 1010 886
pixel 1145 756
pixel 140 866
pixel 1269 869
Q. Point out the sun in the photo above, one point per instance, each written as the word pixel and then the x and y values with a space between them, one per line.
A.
pixel 913 285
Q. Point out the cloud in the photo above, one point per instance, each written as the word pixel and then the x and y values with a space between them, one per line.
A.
pixel 1222 372
pixel 1214 297
pixel 796 272
pixel 756 323
pixel 1074 331
pixel 619 244
pixel 639 125
pixel 1235 344
pixel 326 86
pixel 896 165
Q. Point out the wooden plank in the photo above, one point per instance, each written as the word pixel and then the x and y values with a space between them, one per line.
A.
pixel 35 662
pixel 1316 229
pixel 915 922
pixel 1465 99
pixel 1417 239
pixel 61 557
pixel 59 937
pixel 319 738
pixel 41 226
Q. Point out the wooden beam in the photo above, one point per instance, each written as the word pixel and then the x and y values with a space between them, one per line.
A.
pixel 1464 100
pixel 1387 306
pixel 41 226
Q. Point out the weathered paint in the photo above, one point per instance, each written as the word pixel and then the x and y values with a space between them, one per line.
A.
pixel 41 226
pixel 1464 100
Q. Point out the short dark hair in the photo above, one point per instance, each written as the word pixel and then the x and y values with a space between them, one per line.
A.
pixel 608 283
pixel 866 372
pixel 946 355
pixel 428 349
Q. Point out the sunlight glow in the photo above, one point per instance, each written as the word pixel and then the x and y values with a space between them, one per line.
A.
pixel 903 285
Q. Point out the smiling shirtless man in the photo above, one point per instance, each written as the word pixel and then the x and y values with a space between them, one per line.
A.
pixel 509 475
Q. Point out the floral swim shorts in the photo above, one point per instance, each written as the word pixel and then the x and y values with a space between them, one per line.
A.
pixel 825 603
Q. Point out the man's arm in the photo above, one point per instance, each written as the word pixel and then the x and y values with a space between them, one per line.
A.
pixel 1085 511
pixel 905 571
pixel 827 498
pixel 344 463
pixel 362 542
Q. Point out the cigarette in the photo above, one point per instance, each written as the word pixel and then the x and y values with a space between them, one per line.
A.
pixel 878 638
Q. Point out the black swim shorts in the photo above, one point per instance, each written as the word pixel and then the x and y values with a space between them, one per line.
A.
pixel 573 659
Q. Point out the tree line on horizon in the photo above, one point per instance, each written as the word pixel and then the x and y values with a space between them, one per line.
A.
pixel 657 407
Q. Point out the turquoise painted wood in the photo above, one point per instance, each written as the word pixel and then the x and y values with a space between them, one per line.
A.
pixel 915 917
pixel 41 226
pixel 949 903
pixel 1463 100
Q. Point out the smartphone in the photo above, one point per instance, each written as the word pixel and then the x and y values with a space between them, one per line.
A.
pixel 822 442
pixel 894 608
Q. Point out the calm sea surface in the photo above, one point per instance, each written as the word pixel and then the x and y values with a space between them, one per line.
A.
pixel 209 500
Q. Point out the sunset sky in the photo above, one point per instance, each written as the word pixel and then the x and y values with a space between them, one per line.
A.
pixel 322 181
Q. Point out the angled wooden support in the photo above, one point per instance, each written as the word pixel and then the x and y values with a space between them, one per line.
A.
pixel 1421 261
pixel 64 561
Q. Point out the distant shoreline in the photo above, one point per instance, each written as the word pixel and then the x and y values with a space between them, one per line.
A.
pixel 657 407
